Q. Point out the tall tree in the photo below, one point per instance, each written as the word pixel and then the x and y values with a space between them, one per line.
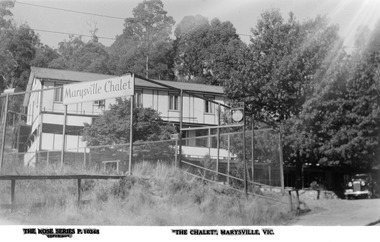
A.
pixel 77 55
pixel 283 58
pixel 44 55
pixel 206 52
pixel 145 46
pixel 17 49
pixel 344 112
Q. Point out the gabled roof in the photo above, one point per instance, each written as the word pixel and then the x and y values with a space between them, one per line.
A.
pixel 76 76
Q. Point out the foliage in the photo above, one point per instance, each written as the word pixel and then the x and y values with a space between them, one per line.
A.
pixel 113 126
pixel 283 57
pixel 44 55
pixel 343 114
pixel 155 195
pixel 145 47
pixel 17 50
pixel 77 55
pixel 205 52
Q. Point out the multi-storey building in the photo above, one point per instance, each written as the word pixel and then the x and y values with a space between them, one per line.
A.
pixel 44 109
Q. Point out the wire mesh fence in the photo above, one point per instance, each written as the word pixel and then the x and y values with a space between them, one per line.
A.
pixel 32 134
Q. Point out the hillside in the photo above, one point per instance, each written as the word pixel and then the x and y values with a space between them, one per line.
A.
pixel 154 195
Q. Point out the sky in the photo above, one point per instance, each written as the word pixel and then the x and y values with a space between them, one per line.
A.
pixel 243 14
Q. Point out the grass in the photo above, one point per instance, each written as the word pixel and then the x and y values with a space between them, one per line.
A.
pixel 156 195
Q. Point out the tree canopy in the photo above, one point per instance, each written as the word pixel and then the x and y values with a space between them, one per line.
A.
pixel 145 46
pixel 206 51
pixel 113 126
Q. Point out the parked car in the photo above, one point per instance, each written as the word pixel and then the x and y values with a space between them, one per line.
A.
pixel 360 185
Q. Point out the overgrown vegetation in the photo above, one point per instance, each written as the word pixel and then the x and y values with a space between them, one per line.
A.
pixel 154 195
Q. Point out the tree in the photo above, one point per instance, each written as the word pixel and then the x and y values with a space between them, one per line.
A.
pixel 5 13
pixel 44 55
pixel 285 60
pixel 113 127
pixel 77 55
pixel 274 76
pixel 344 111
pixel 145 46
pixel 17 50
pixel 206 52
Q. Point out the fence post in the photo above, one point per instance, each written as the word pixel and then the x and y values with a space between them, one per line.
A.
pixel 244 154
pixel 290 200
pixel 218 145
pixel 79 190
pixel 64 136
pixel 4 131
pixel 13 187
pixel 47 159
pixel 228 158
pixel 176 152
pixel 281 159
pixel 270 174
pixel 84 157
pixel 252 149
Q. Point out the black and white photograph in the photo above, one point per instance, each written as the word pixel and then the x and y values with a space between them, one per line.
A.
pixel 189 120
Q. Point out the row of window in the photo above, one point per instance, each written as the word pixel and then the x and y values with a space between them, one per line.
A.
pixel 173 101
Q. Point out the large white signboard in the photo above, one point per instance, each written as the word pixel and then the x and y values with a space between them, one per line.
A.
pixel 98 90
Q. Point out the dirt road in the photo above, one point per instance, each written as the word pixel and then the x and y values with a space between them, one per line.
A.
pixel 341 212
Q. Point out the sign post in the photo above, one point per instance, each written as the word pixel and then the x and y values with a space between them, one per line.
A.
pixel 131 137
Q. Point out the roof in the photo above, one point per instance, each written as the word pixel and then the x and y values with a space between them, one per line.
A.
pixel 76 76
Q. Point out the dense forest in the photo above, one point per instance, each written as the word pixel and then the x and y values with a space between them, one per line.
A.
pixel 294 73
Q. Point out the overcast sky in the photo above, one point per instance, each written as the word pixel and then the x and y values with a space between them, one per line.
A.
pixel 348 14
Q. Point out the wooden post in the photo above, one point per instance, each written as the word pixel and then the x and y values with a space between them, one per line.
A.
pixel 176 151
pixel 209 142
pixel 180 130
pixel 40 120
pixel 253 148
pixel 13 187
pixel 131 137
pixel 228 158
pixel 47 158
pixel 218 145
pixel 64 136
pixel 270 174
pixel 281 159
pixel 290 200
pixel 79 190
pixel 5 115
pixel 84 157
pixel 244 155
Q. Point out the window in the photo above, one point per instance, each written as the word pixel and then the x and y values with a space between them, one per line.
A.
pixel 173 102
pixel 138 100
pixel 209 107
pixel 100 103
pixel 58 93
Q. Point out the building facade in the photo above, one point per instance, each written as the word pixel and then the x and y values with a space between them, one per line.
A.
pixel 44 110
